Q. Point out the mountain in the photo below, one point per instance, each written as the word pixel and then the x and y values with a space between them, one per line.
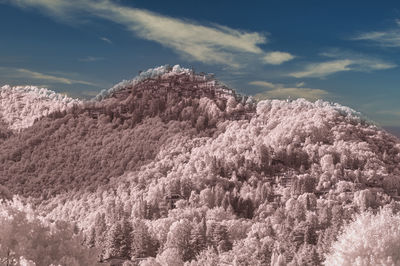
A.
pixel 88 144
pixel 174 167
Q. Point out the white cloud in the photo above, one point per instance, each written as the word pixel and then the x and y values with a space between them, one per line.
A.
pixel 385 38
pixel 106 40
pixel 360 62
pixel 323 69
pixel 342 61
pixel 208 44
pixel 26 74
pixel 281 92
pixel 277 58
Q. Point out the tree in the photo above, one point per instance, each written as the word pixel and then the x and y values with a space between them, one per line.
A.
pixel 170 257
pixel 35 242
pixel 364 199
pixel 307 255
pixel 253 251
pixel 91 238
pixel 198 239
pixel 179 238
pixel 206 258
pixel 245 208
pixel 100 228
pixel 207 197
pixel 142 243
pixel 149 262
pixel 368 240
pixel 201 123
pixel 217 235
pixel 5 194
pixel 126 242
pixel 114 241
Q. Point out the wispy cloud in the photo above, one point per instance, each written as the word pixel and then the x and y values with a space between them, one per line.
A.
pixel 277 58
pixel 90 59
pixel 360 62
pixel 323 69
pixel 210 44
pixel 342 61
pixel 385 38
pixel 106 40
pixel 265 84
pixel 283 92
pixel 27 75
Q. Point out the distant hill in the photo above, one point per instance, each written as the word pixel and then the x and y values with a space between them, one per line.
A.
pixel 21 105
pixel 173 167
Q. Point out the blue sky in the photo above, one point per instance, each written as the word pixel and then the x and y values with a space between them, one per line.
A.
pixel 341 51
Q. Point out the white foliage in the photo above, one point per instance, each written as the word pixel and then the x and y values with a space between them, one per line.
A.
pixel 21 105
pixel 369 240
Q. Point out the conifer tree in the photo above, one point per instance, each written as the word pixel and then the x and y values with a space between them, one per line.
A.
pixel 100 228
pixel 142 244
pixel 126 241
pixel 91 238
pixel 218 238
pixel 198 238
pixel 114 241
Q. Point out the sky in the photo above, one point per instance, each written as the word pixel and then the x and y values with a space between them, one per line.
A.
pixel 340 51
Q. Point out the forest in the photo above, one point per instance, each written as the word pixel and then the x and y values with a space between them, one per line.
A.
pixel 174 168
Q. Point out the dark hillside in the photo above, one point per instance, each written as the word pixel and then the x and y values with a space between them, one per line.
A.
pixel 5 132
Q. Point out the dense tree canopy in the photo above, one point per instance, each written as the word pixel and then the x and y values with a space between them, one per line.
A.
pixel 173 168
pixel 25 238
